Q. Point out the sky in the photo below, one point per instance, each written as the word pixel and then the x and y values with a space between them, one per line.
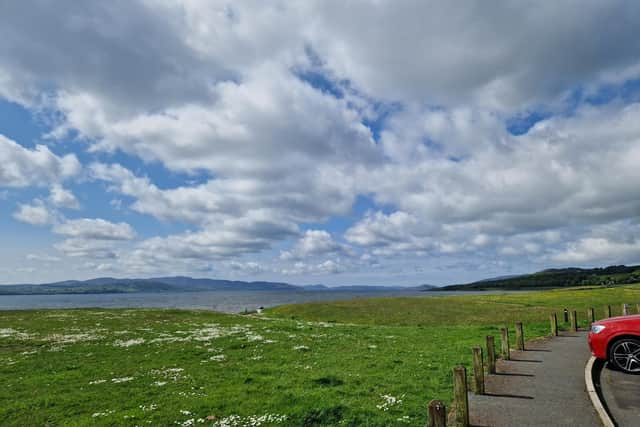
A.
pixel 363 142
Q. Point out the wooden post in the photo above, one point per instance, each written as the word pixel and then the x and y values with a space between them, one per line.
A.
pixel 491 355
pixel 505 343
pixel 519 336
pixel 437 414
pixel 460 398
pixel 608 311
pixel 574 321
pixel 638 308
pixel 592 315
pixel 478 370
pixel 553 319
pixel 625 309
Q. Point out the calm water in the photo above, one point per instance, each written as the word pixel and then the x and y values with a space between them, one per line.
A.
pixel 229 302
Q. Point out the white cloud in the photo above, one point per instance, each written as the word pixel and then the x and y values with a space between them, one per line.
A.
pixel 315 243
pixel 231 237
pixel 557 175
pixel 250 267
pixel 42 258
pixel 93 238
pixel 617 242
pixel 86 248
pixel 62 197
pixel 599 249
pixel 393 233
pixel 329 266
pixel 95 229
pixel 170 51
pixel 497 55
pixel 34 214
pixel 22 167
pixel 266 126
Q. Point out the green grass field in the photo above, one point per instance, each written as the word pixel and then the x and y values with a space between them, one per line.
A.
pixel 367 362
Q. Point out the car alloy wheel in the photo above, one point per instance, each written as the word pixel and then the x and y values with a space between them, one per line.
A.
pixel 625 355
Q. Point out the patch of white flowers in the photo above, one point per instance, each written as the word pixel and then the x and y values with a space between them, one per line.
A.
pixel 121 380
pixel 103 414
pixel 13 333
pixel 73 338
pixel 389 401
pixel 174 374
pixel 129 343
pixel 250 421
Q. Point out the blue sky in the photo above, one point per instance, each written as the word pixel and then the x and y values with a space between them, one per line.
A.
pixel 320 142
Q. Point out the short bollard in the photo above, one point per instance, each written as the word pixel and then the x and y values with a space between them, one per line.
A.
pixel 638 308
pixel 592 315
pixel 478 370
pixel 553 319
pixel 491 355
pixel 519 336
pixel 437 414
pixel 574 321
pixel 566 316
pixel 625 309
pixel 608 311
pixel 460 397
pixel 504 332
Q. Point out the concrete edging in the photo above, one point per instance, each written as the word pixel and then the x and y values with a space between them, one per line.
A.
pixel 593 395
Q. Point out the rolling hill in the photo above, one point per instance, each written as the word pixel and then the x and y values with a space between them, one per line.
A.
pixel 556 278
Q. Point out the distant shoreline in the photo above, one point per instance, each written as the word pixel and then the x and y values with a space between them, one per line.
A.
pixel 186 291
pixel 233 302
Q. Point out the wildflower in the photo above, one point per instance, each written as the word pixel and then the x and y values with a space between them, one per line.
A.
pixel 128 343
pixel 389 401
pixel 102 414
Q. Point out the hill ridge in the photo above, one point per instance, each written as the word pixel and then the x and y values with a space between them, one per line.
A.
pixel 556 278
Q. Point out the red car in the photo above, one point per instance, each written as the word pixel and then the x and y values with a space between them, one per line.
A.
pixel 617 340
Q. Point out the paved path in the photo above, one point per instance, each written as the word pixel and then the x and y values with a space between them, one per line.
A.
pixel 621 393
pixel 542 386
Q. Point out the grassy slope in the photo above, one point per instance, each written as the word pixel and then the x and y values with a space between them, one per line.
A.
pixel 314 373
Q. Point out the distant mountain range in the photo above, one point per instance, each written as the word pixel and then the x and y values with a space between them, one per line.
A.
pixel 555 278
pixel 545 279
pixel 106 285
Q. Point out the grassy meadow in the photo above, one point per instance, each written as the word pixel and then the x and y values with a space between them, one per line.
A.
pixel 366 362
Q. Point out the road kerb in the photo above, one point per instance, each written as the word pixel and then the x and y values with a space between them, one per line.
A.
pixel 593 395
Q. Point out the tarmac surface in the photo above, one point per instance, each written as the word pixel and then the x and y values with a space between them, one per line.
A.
pixel 541 386
pixel 621 395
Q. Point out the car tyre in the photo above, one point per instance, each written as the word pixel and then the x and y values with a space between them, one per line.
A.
pixel 625 355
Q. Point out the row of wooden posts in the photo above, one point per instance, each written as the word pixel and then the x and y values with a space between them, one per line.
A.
pixel 460 413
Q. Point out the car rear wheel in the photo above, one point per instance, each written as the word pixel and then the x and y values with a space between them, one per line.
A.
pixel 625 355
